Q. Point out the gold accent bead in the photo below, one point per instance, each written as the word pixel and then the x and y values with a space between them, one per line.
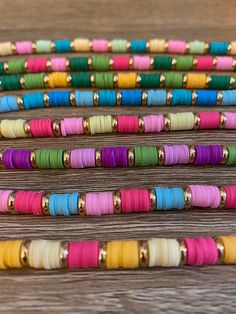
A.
pixel 98 158
pixel 206 48
pixel 102 255
pixel 90 45
pixel 130 157
pixel 173 63
pixel 192 154
pixel 46 80
pixel 166 45
pixel 185 80
pixel 208 80
pixel 141 125
pixel 90 63
pixel 95 99
pixel 46 100
pixel 232 82
pixel 45 203
pixel 187 47
pixel 5 67
pixel 167 122
pixel 151 64
pixel 26 66
pixel 66 158
pixel 195 62
pixel 24 253
pixel 68 65
pixel 152 196
pixel 183 252
pixel 169 98
pixel 22 82
pixel 223 197
pixel 27 128
pixel 56 127
pixel 69 80
pixel 143 254
pixel 162 80
pixel 214 63
pixel 52 46
pixel 144 98
pixel 11 202
pixel 187 197
pixel 234 64
pixel 13 48
pixel 118 98
pixel 148 46
pixel 115 80
pixel 109 46
pixel 225 154
pixel 72 99
pixel 220 250
pixel 138 80
pixel 81 205
pixel 197 121
pixel 131 63
pixel 34 47
pixel 128 45
pixel 111 64
pixel 1 156
pixel 72 45
pixel 219 98
pixel 117 202
pixel 49 65
pixel 222 120
pixel 114 124
pixel 63 253
pixel 161 155
pixel 194 98
pixel 229 48
pixel 92 80
pixel 20 102
pixel 33 159
pixel 86 126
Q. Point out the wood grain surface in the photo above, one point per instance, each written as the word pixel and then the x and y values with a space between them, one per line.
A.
pixel 185 290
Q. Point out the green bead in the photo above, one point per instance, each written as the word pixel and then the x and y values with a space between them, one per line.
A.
pixel 78 64
pixel 2 71
pixel 232 155
pixel 184 63
pixel 162 63
pixel 10 82
pixel 81 79
pixel 219 82
pixel 150 80
pixel 145 156
pixel 173 80
pixel 100 63
pixel 103 80
pixel 34 81
pixel 16 66
pixel 49 158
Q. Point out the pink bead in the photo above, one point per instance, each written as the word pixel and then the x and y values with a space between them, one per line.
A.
pixel 153 123
pixel 176 154
pixel 120 63
pixel 230 120
pixel 176 46
pixel 100 45
pixel 97 204
pixel 24 47
pixel 59 64
pixel 201 251
pixel 205 196
pixel 141 63
pixel 37 65
pixel 83 158
pixel 209 120
pixel 4 196
pixel 224 63
pixel 204 63
pixel 72 126
pixel 83 254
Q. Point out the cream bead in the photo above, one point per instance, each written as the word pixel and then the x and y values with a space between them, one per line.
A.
pixel 181 121
pixel 100 124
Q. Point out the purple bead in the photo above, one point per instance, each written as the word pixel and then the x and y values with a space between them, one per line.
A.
pixel 114 157
pixel 7 158
pixel 208 155
pixel 19 159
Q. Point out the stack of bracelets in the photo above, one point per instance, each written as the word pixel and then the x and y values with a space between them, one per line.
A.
pixel 129 77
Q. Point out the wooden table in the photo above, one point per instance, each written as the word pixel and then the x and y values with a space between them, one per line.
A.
pixel 142 291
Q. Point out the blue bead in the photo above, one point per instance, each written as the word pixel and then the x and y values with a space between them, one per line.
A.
pixel 218 48
pixel 169 198
pixel 107 97
pixel 206 97
pixel 156 97
pixel 131 97
pixel 73 203
pixel 62 45
pixel 59 98
pixel 181 97
pixel 84 98
pixel 33 101
pixel 63 204
pixel 138 46
pixel 229 98
pixel 8 103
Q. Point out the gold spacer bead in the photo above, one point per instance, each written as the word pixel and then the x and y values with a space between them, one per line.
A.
pixel 26 66
pixel 109 46
pixel 72 99
pixel 143 254
pixel 223 197
pixel 166 46
pixel 148 46
pixel 98 158
pixel 13 48
pixel 68 65
pixel 34 47
pixel 197 121
pixel 131 63
pixel 49 65
pixel 225 155
pixel 187 197
pixel 33 159
pixel 24 258
pixel 167 122
pixel 117 202
pixel 46 100
pixel 141 125
pixel 20 102
pixel 185 80
pixel 92 80
pixel 144 98
pixel 220 250
pixel 219 98
pixel 95 99
pixel 130 157
pixel 63 253
pixel 232 82
pixel 5 67
pixel 229 48
pixel 90 63
pixel 138 80
pixel 111 64
pixel 208 80
pixel 128 45
pixel 192 154
pixel 45 203
pixel 86 126
pixel 222 120
pixel 22 82
pixel 161 155
pixel 69 80
pixel 151 64
pixel 66 158
pixel 102 255
pixel 90 45
pixel 162 80
pixel 169 98
pixel 56 127
pixel 183 252
pixel 114 124
pixel 52 46
pixel 234 64
pixel 1 156
pixel 206 48
pixel 195 62
pixel 118 98
pixel 173 63
pixel 81 205
pixel 214 63
pixel 11 203
pixel 27 128
pixel 72 45
pixel 194 98
pixel 152 196
pixel 46 80
pixel 115 80
pixel 187 47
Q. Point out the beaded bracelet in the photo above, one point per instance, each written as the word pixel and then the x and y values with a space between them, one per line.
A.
pixel 21 128
pixel 118 46
pixel 138 97
pixel 161 252
pixel 124 80
pixel 117 63
pixel 117 202
pixel 120 156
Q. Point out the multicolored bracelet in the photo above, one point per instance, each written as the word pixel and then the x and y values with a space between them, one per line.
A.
pixel 117 63
pixel 118 46
pixel 117 202
pixel 21 128
pixel 138 97
pixel 156 252
pixel 119 156
pixel 126 80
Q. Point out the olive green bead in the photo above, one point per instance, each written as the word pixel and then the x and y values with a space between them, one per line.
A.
pixel 173 80
pixel 103 80
pixel 184 63
pixel 100 63
pixel 16 66
pixel 33 81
